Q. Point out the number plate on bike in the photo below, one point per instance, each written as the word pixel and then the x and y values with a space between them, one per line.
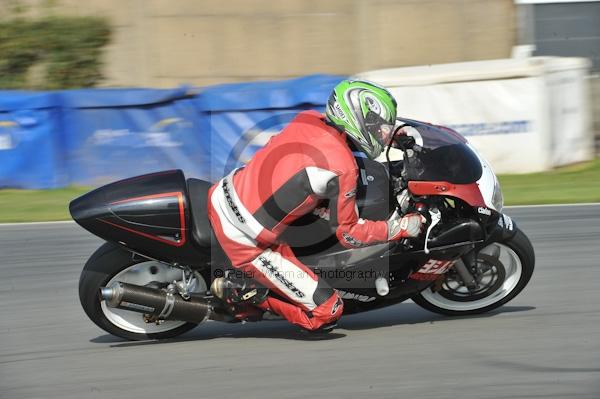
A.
pixel 432 269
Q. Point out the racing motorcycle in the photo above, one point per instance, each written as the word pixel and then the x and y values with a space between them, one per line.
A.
pixel 150 279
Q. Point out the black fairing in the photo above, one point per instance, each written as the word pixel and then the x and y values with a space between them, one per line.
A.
pixel 444 156
pixel 500 227
pixel 459 231
pixel 148 214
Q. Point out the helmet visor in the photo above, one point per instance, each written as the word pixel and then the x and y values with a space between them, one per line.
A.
pixel 379 128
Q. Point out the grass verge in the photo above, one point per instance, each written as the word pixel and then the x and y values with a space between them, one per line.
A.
pixel 572 184
pixel 37 205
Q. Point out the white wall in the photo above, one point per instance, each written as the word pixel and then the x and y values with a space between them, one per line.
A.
pixel 521 115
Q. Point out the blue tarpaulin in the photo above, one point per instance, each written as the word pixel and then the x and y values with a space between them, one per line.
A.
pixel 114 134
pixel 282 94
pixel 94 136
pixel 30 148
pixel 242 117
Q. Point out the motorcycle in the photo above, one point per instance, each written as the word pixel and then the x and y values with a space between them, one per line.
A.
pixel 150 279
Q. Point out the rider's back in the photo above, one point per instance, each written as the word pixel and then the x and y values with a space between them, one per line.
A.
pixel 283 180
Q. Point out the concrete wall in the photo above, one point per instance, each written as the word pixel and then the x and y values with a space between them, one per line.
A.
pixel 164 43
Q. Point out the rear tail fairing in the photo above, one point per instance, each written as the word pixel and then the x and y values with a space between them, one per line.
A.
pixel 147 214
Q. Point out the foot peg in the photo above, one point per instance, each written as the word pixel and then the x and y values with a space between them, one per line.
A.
pixel 217 288
pixel 234 292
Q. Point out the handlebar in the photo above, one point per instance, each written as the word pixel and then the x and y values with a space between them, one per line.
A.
pixel 405 142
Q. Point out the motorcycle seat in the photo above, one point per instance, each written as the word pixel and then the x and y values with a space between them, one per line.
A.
pixel 202 232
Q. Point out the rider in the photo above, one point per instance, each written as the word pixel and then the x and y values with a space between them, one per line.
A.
pixel 308 161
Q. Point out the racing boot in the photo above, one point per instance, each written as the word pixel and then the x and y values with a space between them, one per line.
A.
pixel 238 291
pixel 324 329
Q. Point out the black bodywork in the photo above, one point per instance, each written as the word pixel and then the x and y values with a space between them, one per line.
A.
pixel 163 216
pixel 150 215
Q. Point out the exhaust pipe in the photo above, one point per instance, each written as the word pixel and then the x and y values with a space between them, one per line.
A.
pixel 155 302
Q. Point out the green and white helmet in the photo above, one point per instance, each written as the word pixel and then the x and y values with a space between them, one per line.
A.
pixel 365 111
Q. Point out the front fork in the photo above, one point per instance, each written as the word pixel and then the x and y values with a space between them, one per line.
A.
pixel 502 229
pixel 469 262
pixel 497 228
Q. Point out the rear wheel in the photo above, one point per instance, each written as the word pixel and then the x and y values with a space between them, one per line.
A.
pixel 111 263
pixel 503 270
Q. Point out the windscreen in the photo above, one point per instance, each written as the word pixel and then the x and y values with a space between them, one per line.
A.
pixel 445 156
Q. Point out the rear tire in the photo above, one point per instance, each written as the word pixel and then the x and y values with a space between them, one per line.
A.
pixel 445 303
pixel 107 262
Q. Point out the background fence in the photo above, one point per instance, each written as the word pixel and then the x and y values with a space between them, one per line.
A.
pixel 523 115
pixel 93 136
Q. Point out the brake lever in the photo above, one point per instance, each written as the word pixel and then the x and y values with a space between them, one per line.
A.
pixel 436 217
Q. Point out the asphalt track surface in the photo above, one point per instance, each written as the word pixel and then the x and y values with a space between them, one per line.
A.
pixel 543 344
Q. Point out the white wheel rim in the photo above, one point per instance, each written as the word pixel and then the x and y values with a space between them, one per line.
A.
pixel 142 274
pixel 513 270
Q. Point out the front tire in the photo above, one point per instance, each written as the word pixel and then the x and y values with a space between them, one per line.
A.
pixel 508 267
pixel 112 263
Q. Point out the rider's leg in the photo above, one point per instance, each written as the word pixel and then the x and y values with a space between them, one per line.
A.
pixel 327 313
pixel 308 301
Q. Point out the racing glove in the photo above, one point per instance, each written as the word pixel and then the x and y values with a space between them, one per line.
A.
pixel 408 226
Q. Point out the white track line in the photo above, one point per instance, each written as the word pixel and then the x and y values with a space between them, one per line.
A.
pixel 506 207
pixel 36 223
pixel 552 205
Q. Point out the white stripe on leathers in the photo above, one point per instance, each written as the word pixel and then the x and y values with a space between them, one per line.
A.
pixel 244 232
pixel 292 281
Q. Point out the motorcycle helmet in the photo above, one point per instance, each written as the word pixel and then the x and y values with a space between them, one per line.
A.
pixel 365 111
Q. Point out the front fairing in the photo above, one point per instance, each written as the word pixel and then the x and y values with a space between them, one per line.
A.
pixel 444 156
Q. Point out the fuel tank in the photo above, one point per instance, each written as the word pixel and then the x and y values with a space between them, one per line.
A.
pixel 147 214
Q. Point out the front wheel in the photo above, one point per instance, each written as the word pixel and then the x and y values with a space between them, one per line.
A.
pixel 503 270
pixel 111 263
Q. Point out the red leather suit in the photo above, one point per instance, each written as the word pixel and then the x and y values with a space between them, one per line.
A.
pixel 248 209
